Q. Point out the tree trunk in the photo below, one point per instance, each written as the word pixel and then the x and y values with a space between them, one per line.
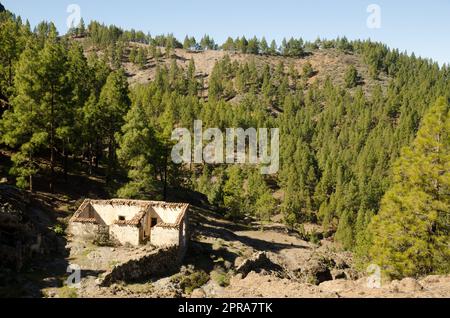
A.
pixel 90 158
pixel 110 160
pixel 31 175
pixel 165 174
pixel 66 165
pixel 97 153
pixel 52 143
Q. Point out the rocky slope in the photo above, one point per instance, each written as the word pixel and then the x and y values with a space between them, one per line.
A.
pixel 229 260
pixel 257 285
pixel 326 63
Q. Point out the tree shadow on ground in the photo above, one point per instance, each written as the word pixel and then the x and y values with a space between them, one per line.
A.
pixel 221 229
pixel 204 257
pixel 257 244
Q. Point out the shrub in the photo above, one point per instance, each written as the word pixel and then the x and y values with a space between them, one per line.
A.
pixel 58 229
pixel 221 278
pixel 188 282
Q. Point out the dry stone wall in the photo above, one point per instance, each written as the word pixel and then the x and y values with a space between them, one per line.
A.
pixel 159 262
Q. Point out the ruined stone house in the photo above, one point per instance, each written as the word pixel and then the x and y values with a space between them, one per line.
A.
pixel 132 222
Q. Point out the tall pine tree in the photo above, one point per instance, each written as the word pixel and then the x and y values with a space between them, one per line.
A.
pixel 411 234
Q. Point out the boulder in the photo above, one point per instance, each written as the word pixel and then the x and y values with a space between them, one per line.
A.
pixel 227 265
pixel 317 271
pixel 338 274
pixel 407 285
pixel 198 293
pixel 238 261
pixel 260 263
pixel 431 279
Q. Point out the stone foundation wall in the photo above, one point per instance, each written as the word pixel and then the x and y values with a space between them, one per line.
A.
pixel 162 261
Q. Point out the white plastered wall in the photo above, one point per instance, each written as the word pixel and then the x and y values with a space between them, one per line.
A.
pixel 111 212
pixel 125 234
pixel 83 230
pixel 161 236
pixel 167 215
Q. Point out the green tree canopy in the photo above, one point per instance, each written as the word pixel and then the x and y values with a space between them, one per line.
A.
pixel 411 234
pixel 351 77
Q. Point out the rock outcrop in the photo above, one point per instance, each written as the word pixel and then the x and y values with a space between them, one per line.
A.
pixel 260 262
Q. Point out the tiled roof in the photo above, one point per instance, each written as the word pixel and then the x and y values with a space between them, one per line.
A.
pixel 135 221
pixel 86 220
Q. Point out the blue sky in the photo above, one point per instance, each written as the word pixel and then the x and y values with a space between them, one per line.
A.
pixel 422 27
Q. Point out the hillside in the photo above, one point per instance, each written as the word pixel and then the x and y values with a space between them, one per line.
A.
pixel 326 63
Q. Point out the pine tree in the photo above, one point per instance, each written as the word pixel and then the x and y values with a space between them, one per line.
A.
pixel 273 48
pixel 141 58
pixel 207 43
pixel 115 52
pixel 259 199
pixel 169 48
pixel 411 232
pixel 264 46
pixel 132 56
pixel 232 192
pixel 118 55
pixel 19 127
pixel 90 123
pixel 189 43
pixel 211 185
pixel 137 153
pixel 344 233
pixel 114 104
pixel 253 46
pixel 242 44
pixel 186 43
pixel 351 77
pixel 308 70
pixel 192 84
pixel 82 84
pixel 81 30
pixel 43 98
pixel 362 237
pixel 12 39
pixel 56 99
pixel 229 45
